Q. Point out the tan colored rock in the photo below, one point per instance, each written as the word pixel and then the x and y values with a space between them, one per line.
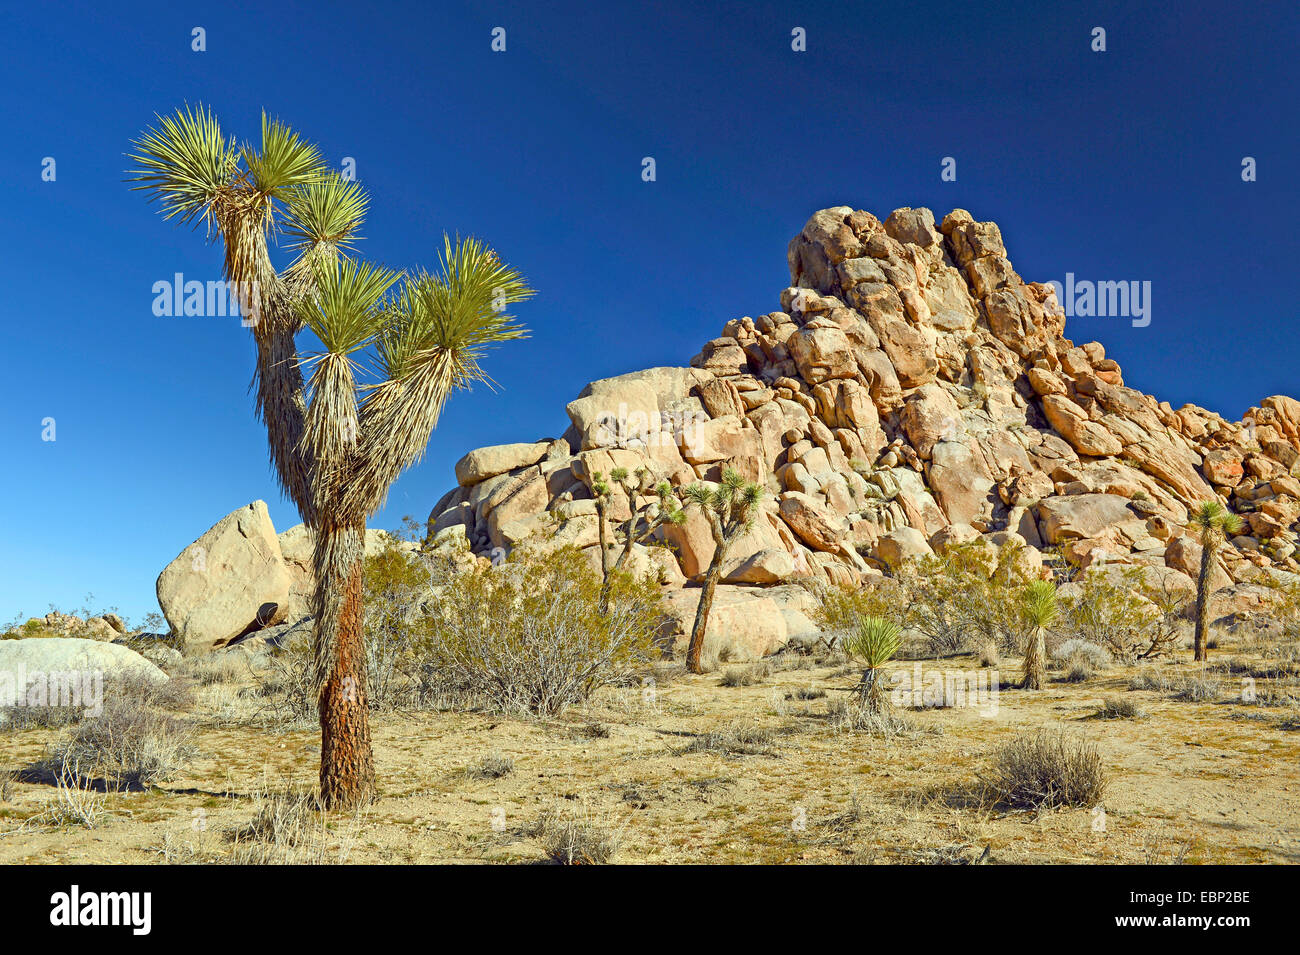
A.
pixel 230 579
pixel 952 535
pixel 768 566
pixel 1223 468
pixel 1073 424
pixel 813 523
pixel 960 481
pixel 745 623
pixel 899 546
pixel 488 462
pixel 929 416
pixel 616 418
pixel 911 355
pixel 722 356
pixel 1081 516
pixel 822 351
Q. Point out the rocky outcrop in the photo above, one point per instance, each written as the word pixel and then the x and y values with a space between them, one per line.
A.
pixel 240 577
pixel 912 390
pixel 231 580
pixel 44 658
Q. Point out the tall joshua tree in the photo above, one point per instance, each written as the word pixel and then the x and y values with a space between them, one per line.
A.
pixel 643 522
pixel 731 509
pixel 1038 605
pixel 1213 523
pixel 336 444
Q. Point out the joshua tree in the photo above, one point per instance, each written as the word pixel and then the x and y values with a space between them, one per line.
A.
pixel 874 642
pixel 1038 605
pixel 336 444
pixel 666 509
pixel 1214 523
pixel 731 509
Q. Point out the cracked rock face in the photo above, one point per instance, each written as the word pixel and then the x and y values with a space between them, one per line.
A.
pixel 911 381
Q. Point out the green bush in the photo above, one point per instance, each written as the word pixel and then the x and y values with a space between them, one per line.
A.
pixel 529 636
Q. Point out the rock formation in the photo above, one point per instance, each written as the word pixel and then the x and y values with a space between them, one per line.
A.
pixel 239 577
pixel 911 390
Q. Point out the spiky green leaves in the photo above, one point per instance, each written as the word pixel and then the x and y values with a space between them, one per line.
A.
pixel 1212 518
pixel 457 314
pixel 347 311
pixel 185 163
pixel 874 641
pixel 1038 603
pixel 285 160
pixel 735 501
pixel 328 211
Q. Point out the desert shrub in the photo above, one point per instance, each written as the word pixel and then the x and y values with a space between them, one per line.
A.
pixel 806 693
pixel 286 683
pixel 1157 680
pixel 1120 708
pixel 287 828
pixel 1197 689
pixel 848 716
pixel 873 643
pixel 6 785
pixel 575 836
pixel 218 668
pixel 737 740
pixel 1132 619
pixel 74 804
pixel 395 583
pixel 529 636
pixel 750 675
pixel 491 767
pixel 129 745
pixel 396 586
pixel 840 607
pixel 1047 769
pixel 1073 651
pixel 39 717
pixel 960 598
pixel 1080 671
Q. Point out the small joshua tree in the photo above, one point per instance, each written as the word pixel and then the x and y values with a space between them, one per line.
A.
pixel 337 444
pixel 1214 523
pixel 873 642
pixel 731 509
pixel 643 522
pixel 1038 606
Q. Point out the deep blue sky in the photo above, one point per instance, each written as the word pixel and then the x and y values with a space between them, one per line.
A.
pixel 1116 165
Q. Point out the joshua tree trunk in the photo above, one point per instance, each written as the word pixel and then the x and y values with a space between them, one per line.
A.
pixel 696 648
pixel 604 555
pixel 347 769
pixel 1035 654
pixel 1200 649
pixel 870 693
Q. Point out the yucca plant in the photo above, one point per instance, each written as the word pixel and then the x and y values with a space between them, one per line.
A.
pixel 1213 524
pixel 1038 608
pixel 666 508
pixel 873 642
pixel 337 443
pixel 731 508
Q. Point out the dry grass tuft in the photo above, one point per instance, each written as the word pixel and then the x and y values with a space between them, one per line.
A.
pixel 575 836
pixel 1118 708
pixel 1047 769
pixel 491 767
pixel 738 740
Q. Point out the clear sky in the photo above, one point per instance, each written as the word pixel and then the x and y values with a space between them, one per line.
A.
pixel 1116 165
